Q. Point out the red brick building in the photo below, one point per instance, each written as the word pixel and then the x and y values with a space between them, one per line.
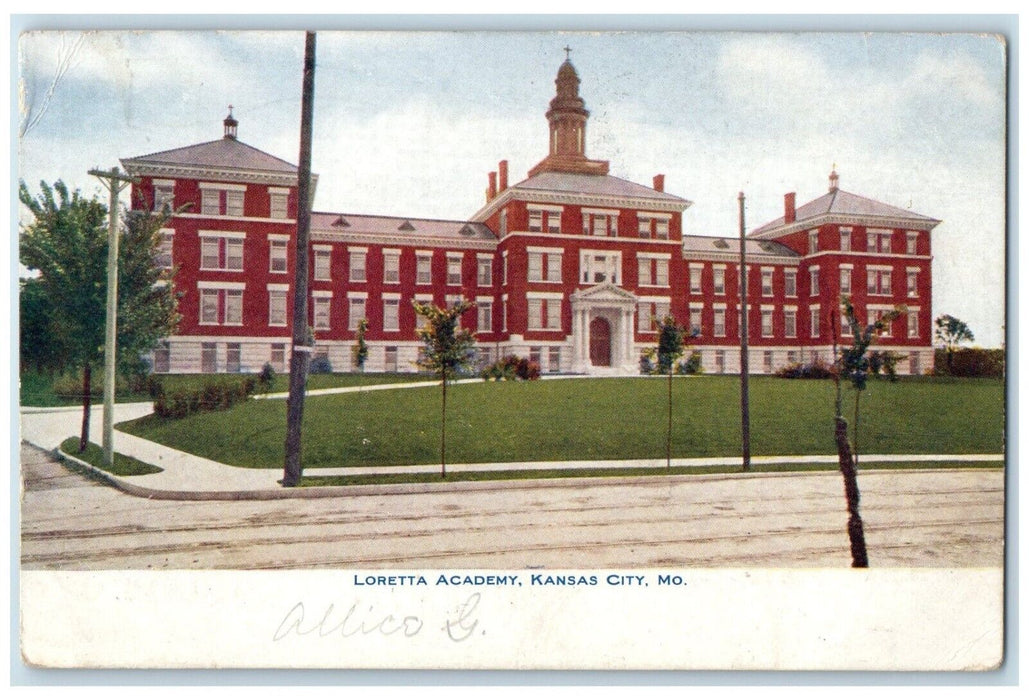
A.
pixel 570 266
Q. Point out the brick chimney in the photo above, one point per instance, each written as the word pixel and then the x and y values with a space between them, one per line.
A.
pixel 790 203
pixel 659 182
pixel 492 191
pixel 502 169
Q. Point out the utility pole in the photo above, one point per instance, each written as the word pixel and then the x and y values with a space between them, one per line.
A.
pixel 744 345
pixel 115 182
pixel 300 357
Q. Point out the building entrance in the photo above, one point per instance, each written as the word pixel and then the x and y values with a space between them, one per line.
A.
pixel 600 342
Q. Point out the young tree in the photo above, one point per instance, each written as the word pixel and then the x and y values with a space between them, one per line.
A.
pixel 671 344
pixel 361 347
pixel 67 244
pixel 951 332
pixel 852 364
pixel 448 350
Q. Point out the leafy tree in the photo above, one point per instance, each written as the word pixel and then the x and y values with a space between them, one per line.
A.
pixel 448 351
pixel 66 243
pixel 41 350
pixel 951 332
pixel 852 364
pixel 671 344
pixel 361 347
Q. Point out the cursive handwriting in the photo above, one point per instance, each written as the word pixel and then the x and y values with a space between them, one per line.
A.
pixel 362 621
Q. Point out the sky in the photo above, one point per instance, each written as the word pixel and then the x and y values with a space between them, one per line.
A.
pixel 409 124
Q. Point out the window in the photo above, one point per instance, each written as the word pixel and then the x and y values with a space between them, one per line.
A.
pixel 719 274
pixel 696 271
pixel 845 240
pixel 766 283
pixel 719 361
pixel 645 317
pixel 221 200
pixel 599 267
pixel 321 313
pixel 653 227
pixel 485 315
pixel 276 307
pixel 391 266
pixel 423 269
pixel 535 220
pixel 391 314
pixel 599 223
pixel 914 365
pixel 210 254
pixel 767 361
pixel 878 241
pixel 164 194
pixel 162 357
pixel 553 267
pixel 554 359
pixel 391 358
pixel 358 265
pixel 485 272
pixel 164 248
pixel 876 315
pixel 535 267
pixel 912 243
pixel 719 323
pixel 322 259
pixel 278 200
pixel 814 281
pixel 553 221
pixel 845 281
pixel 790 323
pixel 812 242
pixel 661 229
pixel 695 321
pixel 536 355
pixel 766 323
pixel 791 283
pixel 912 283
pixel 645 277
pixel 535 313
pixel 278 357
pixel 503 223
pixel 208 358
pixel 554 314
pixel 791 357
pixel 661 273
pixel 233 254
pixel 879 281
pixel 453 270
pixel 816 322
pixel 912 323
pixel 232 357
pixel 277 256
pixel 209 305
pixel 357 312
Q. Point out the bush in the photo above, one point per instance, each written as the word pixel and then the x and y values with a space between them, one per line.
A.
pixel 884 362
pixel 320 365
pixel 214 394
pixel 692 365
pixel 510 368
pixel 647 363
pixel 813 370
pixel 971 362
pixel 266 378
pixel 69 386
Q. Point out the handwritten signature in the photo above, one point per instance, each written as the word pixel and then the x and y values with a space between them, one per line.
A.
pixel 361 621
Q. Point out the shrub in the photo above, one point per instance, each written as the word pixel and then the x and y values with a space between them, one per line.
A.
pixel 692 365
pixel 971 362
pixel 69 386
pixel 510 368
pixel 214 394
pixel 884 362
pixel 647 364
pixel 320 365
pixel 813 370
pixel 266 378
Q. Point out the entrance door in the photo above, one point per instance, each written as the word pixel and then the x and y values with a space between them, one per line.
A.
pixel 600 342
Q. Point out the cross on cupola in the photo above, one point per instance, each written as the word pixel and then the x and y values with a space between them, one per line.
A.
pixel 568 53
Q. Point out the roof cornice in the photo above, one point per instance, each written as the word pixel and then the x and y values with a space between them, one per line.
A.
pixel 400 240
pixel 574 198
pixel 912 223
pixel 142 167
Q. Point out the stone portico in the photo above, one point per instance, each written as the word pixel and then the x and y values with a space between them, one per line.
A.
pixel 603 319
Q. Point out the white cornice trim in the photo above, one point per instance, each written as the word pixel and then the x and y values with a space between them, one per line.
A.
pixel 251 219
pixel 405 241
pixel 513 194
pixel 558 237
pixel 848 219
pixel 145 168
pixel 735 257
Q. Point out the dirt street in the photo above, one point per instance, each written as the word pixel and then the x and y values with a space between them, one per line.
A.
pixel 918 518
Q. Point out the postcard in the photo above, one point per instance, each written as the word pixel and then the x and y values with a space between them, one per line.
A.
pixel 619 350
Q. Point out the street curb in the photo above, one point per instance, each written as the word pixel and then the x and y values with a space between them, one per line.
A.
pixel 427 488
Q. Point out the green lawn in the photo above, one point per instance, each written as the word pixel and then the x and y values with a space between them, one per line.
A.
pixel 593 419
pixel 94 454
pixel 37 389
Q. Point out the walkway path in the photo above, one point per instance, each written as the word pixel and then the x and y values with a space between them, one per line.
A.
pixel 186 475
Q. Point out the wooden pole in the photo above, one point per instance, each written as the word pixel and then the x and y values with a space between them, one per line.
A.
pixel 115 182
pixel 744 344
pixel 300 356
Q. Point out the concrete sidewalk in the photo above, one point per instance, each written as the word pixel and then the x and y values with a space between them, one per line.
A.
pixel 189 476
